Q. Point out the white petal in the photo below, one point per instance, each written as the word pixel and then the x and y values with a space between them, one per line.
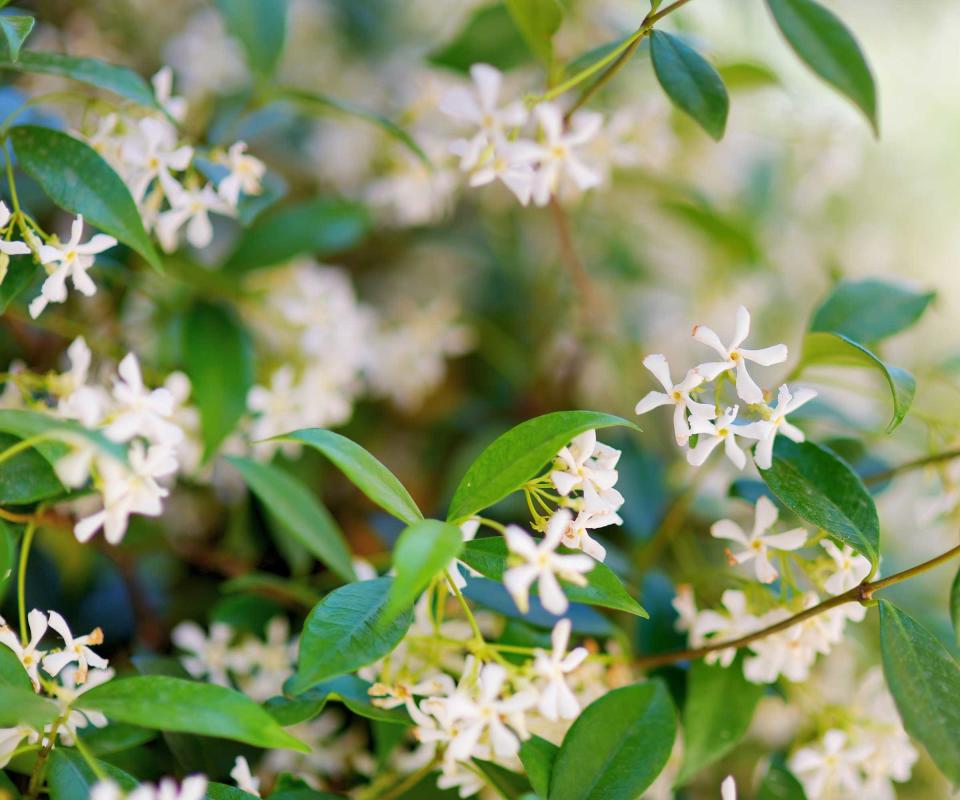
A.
pixel 766 357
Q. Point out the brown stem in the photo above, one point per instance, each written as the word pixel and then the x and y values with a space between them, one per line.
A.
pixel 861 594
pixel 887 474
pixel 568 254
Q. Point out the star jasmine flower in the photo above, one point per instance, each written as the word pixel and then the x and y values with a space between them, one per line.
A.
pixel 712 434
pixel 728 789
pixel 9 247
pixel 851 568
pixel 244 779
pixel 558 156
pixel 207 656
pixel 676 394
pixel 768 429
pixel 74 649
pixel 510 162
pixel 556 699
pixel 190 207
pixel 685 604
pixel 577 535
pixel 736 622
pixel 72 260
pixel 245 174
pixel 403 693
pixel 468 530
pixel 141 411
pixel 543 565
pixel 830 768
pixel 756 545
pixel 10 739
pixel 735 356
pixel 29 654
pixel 588 466
pixel 77 400
pixel 66 693
pixel 162 83
pixel 152 153
pixel 192 788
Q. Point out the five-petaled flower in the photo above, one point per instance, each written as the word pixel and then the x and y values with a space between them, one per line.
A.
pixel 755 546
pixel 676 394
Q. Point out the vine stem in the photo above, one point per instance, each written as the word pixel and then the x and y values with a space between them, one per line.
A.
pixel 860 594
pixel 887 474
pixel 24 444
pixel 22 579
pixel 571 259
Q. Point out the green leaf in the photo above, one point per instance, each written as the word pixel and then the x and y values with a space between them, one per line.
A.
pixel 592 56
pixel 21 706
pixel 119 80
pixel 833 349
pixel 174 704
pixel 747 75
pixel 70 777
pixel 25 478
pixel 77 179
pixel 508 784
pixel 343 633
pixel 115 738
pixel 320 227
pixel 617 746
pixel 822 488
pixel 870 310
pixel 15 30
pixel 350 690
pixel 7 551
pixel 955 605
pixel 218 358
pixel 220 791
pixel 12 672
pixel 690 82
pixel 299 513
pixel 779 784
pixel 25 424
pixel 826 45
pixel 719 706
pixel 20 274
pixel 924 679
pixel 519 455
pixel 423 550
pixel 261 27
pixel 489 558
pixel 488 37
pixel 537 21
pixel 538 756
pixel 364 471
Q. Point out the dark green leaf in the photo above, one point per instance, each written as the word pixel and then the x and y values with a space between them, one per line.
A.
pixel 870 310
pixel 537 21
pixel 20 274
pixel 69 776
pixel 25 478
pixel 12 672
pixel 174 704
pixel 350 690
pixel 690 82
pixel 924 679
pixel 20 706
pixel 261 27
pixel 27 424
pixel 820 487
pixel 115 738
pixel 538 756
pixel 825 44
pixel 489 37
pixel 719 706
pixel 343 633
pixel 833 349
pixel 617 746
pixel 423 550
pixel 955 605
pixel 489 558
pixel 7 551
pixel 508 784
pixel 15 30
pixel 364 471
pixel 518 455
pixel 779 784
pixel 77 179
pixel 320 227
pixel 220 791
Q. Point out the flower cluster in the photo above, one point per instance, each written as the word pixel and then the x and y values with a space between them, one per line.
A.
pixel 715 423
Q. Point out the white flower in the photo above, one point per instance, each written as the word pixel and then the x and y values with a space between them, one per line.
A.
pixel 72 260
pixel 787 403
pixel 403 693
pixel 192 788
pixel 74 649
pixel 735 623
pixel 189 207
pixel 676 394
pixel 244 778
pixel 468 530
pixel 544 565
pixel 558 157
pixel 140 411
pixel 851 568
pixel 736 356
pixel 28 654
pixel 10 739
pixel 728 789
pixel 577 535
pixel 78 401
pixel 756 545
pixel 556 700
pixel 587 465
pixel 685 604
pixel 265 665
pixel 831 768
pixel 245 174
pixel 710 434
pixel 10 247
pixel 152 153
pixel 162 82
pixel 511 162
pixel 66 693
pixel 209 656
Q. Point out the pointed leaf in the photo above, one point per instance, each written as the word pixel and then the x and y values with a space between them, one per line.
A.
pixel 261 28
pixel 489 36
pixel 538 756
pixel 779 784
pixel 70 777
pixel 423 550
pixel 537 21
pixel 25 478
pixel 22 706
pixel 870 310
pixel 350 690
pixel 15 30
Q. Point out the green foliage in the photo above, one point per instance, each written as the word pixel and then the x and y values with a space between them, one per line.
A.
pixel 20 706
pixel 507 783
pixel 518 455
pixel 344 632
pixel 350 690
pixel 15 30
pixel 538 756
pixel 822 488
pixel 955 604
pixel 27 424
pixel 299 513
pixel 870 310
pixel 261 28
pixel 825 44
pixel 779 784
pixel 27 477
pixel 220 791
pixel 77 179
pixel 690 82
pixel 7 554
pixel 20 274
pixel 617 746
pixel 12 672
pixel 70 777
pixel 489 37
pixel 537 21
pixel 924 679
pixel 364 471
pixel 423 550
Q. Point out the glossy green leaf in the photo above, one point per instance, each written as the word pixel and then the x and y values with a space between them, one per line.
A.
pixel 819 486
pixel 364 471
pixel 870 310
pixel 174 704
pixel 119 80
pixel 716 714
pixel 488 37
pixel 505 782
pixel 955 605
pixel 70 777
pixel 77 179
pixel 116 737
pixel 690 82
pixel 617 746
pixel 826 45
pixel 350 690
pixel 537 21
pixel 7 554
pixel 261 27
pixel 747 75
pixel 489 558
pixel 320 227
pixel 20 274
pixel 538 756
pixel 220 791
pixel 25 478
pixel 299 513
pixel 833 349
pixel 779 784
pixel 12 672
pixel 519 455
pixel 344 633
pixel 423 550
pixel 15 30
pixel 27 424
pixel 21 706
pixel 218 358
pixel 924 679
